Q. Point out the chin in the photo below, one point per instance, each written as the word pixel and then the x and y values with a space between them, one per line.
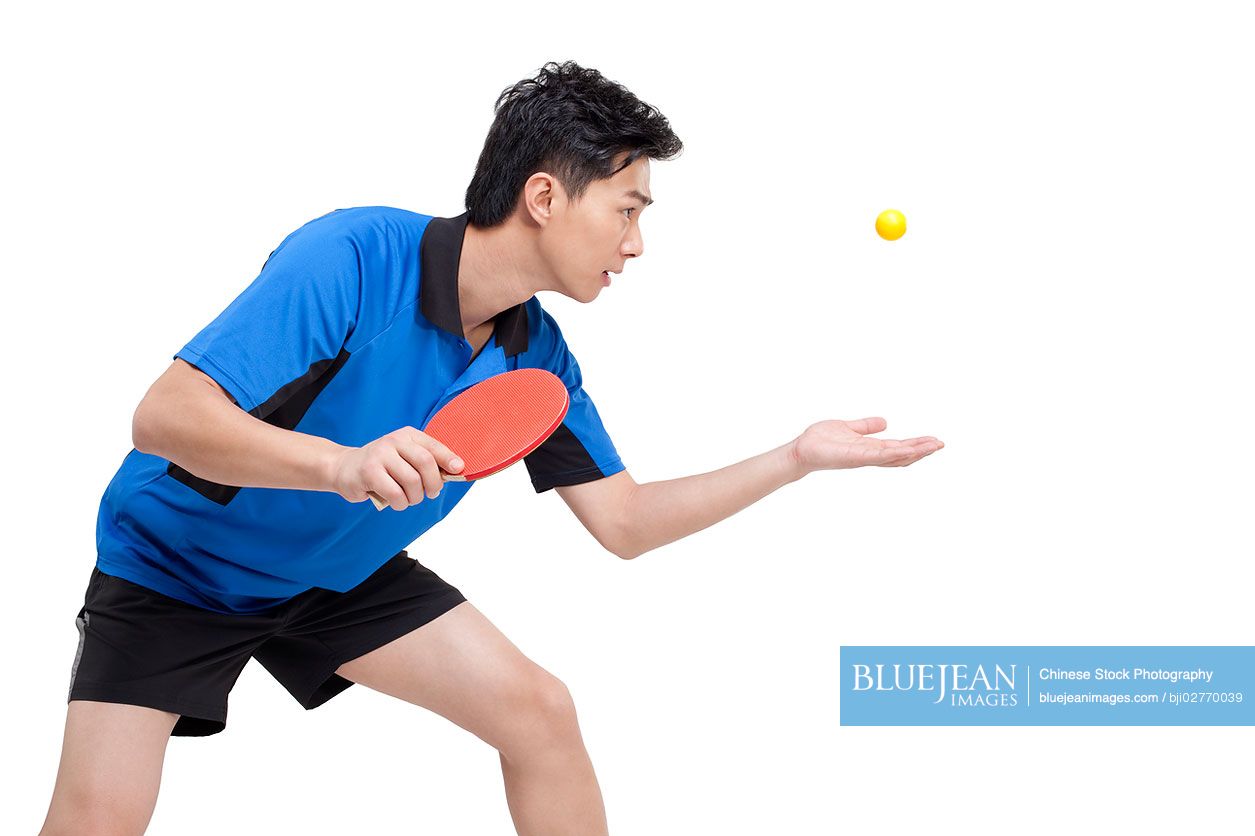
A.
pixel 588 295
pixel 583 293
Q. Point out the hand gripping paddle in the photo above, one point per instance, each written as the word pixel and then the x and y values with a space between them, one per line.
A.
pixel 496 422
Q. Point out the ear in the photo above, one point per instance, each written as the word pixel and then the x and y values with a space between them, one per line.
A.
pixel 540 193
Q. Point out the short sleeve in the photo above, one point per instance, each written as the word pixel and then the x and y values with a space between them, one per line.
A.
pixel 580 450
pixel 291 322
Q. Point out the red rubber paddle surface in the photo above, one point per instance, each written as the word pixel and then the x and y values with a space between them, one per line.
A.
pixel 501 419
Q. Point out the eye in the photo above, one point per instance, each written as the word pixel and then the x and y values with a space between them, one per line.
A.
pixel 630 209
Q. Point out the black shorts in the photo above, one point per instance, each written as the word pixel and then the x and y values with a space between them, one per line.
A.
pixel 140 647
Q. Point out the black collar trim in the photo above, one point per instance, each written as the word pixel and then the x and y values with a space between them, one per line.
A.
pixel 440 251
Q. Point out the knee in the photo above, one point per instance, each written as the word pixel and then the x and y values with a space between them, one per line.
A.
pixel 92 825
pixel 551 703
pixel 99 816
pixel 545 713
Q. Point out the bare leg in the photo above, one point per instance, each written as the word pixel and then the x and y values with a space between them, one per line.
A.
pixel 554 786
pixel 461 667
pixel 111 759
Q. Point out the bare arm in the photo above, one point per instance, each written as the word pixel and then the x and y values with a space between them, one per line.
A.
pixel 187 418
pixel 630 519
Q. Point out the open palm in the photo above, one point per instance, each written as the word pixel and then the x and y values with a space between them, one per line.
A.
pixel 830 445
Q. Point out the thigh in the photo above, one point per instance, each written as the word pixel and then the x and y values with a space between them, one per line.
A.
pixel 463 668
pixel 325 629
pixel 110 771
pixel 141 648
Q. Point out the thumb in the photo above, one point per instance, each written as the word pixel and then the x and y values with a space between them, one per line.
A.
pixel 446 459
pixel 864 426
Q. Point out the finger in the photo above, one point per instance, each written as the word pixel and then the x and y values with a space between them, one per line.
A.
pixel 406 475
pixel 863 426
pixel 925 443
pixel 424 463
pixel 909 454
pixel 383 483
pixel 895 455
pixel 900 450
pixel 446 459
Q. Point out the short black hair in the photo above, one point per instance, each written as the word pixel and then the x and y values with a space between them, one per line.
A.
pixel 568 120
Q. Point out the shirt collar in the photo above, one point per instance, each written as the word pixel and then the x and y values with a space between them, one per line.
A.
pixel 440 250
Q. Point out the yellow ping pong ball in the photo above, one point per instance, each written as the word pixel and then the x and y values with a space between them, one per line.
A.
pixel 891 224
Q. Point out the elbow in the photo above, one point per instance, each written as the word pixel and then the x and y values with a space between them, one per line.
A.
pixel 617 541
pixel 626 554
pixel 618 546
pixel 624 540
pixel 143 431
pixel 623 545
pixel 139 430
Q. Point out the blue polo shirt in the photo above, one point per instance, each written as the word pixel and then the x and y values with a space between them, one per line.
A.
pixel 351 330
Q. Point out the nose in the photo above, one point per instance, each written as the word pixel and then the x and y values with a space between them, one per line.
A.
pixel 633 245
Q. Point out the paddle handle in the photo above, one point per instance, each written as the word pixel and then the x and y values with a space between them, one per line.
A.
pixel 381 503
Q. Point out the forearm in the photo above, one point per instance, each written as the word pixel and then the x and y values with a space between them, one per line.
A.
pixel 662 512
pixel 211 437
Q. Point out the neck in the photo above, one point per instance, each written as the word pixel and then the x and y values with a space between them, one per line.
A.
pixel 496 271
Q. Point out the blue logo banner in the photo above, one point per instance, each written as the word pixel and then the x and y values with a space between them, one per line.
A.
pixel 1047 686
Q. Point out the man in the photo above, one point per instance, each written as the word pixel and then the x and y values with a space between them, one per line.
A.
pixel 226 534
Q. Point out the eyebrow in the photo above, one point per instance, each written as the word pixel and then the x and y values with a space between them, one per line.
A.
pixel 645 199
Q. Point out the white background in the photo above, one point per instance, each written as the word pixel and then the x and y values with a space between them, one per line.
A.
pixel 1069 311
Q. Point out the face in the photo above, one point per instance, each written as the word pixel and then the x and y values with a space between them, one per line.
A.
pixel 581 240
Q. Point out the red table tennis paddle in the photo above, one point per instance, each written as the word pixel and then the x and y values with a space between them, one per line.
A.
pixel 496 422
